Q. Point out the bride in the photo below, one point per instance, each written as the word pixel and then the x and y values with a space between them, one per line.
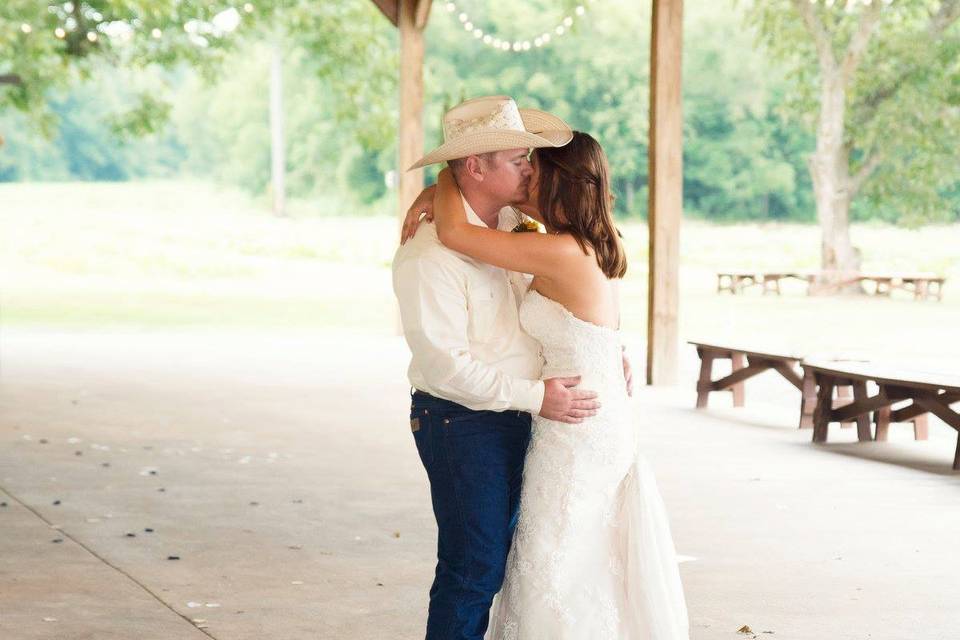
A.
pixel 592 556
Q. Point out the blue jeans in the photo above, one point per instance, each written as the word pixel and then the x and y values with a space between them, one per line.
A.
pixel 474 461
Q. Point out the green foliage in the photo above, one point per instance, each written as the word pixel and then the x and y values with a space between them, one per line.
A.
pixel 152 106
pixel 121 32
pixel 84 145
pixel 903 106
pixel 363 177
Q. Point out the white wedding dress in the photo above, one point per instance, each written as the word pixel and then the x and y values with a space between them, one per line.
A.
pixel 592 555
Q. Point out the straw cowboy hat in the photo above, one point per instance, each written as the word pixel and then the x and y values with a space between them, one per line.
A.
pixel 495 123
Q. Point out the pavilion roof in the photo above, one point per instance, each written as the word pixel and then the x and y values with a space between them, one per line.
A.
pixel 389 8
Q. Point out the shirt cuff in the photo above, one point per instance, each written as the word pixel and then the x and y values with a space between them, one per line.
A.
pixel 529 396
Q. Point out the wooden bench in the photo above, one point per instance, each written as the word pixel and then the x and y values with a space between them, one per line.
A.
pixel 919 392
pixel 769 281
pixel 736 281
pixel 923 286
pixel 746 363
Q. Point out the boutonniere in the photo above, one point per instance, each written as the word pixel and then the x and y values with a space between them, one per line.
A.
pixel 525 224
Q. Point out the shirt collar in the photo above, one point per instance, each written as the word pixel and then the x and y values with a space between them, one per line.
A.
pixel 472 216
pixel 505 222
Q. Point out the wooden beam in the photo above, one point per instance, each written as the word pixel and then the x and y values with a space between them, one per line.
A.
pixel 10 78
pixel 423 13
pixel 389 8
pixel 665 190
pixel 411 104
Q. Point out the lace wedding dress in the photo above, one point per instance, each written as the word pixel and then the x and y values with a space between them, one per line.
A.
pixel 592 555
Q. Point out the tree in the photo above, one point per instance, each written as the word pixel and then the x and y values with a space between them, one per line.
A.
pixel 884 83
pixel 46 45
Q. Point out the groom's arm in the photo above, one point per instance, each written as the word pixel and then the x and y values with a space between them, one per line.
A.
pixel 433 310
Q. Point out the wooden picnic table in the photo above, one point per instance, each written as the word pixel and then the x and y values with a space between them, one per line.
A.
pixel 922 285
pixel 736 281
pixel 746 363
pixel 919 392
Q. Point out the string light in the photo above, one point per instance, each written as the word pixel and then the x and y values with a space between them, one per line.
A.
pixel 848 5
pixel 519 45
pixel 26 28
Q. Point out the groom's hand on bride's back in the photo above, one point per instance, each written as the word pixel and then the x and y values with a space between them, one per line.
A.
pixel 563 403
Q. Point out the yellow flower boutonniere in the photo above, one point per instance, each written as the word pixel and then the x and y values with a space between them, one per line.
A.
pixel 527 225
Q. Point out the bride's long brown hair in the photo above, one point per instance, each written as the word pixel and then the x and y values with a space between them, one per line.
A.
pixel 574 185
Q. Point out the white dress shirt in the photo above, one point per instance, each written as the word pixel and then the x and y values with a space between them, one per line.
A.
pixel 461 321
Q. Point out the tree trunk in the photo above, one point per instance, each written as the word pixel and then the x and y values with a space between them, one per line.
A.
pixel 278 156
pixel 830 171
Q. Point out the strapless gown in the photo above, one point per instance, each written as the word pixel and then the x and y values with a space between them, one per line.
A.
pixel 592 555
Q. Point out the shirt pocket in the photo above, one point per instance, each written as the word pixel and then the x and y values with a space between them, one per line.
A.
pixel 483 304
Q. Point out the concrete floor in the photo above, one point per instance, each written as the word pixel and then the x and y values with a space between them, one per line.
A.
pixel 281 472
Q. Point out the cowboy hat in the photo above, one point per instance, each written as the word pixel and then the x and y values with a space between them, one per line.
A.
pixel 495 123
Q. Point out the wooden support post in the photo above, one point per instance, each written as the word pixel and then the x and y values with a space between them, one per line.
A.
pixel 844 393
pixel 863 420
pixel 921 430
pixel 665 189
pixel 411 20
pixel 821 415
pixel 705 383
pixel 737 362
pixel 882 418
pixel 942 410
pixel 808 399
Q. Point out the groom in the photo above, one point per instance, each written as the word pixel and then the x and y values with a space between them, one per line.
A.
pixel 476 373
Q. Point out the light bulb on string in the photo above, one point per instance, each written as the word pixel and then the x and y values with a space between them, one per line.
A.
pixel 26 28
pixel 520 44
pixel 60 33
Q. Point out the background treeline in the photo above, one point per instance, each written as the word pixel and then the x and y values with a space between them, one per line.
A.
pixel 743 158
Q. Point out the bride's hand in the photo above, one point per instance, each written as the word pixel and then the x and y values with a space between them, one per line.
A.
pixel 422 206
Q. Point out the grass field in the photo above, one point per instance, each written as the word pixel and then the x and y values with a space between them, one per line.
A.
pixel 189 255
